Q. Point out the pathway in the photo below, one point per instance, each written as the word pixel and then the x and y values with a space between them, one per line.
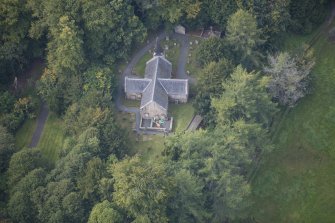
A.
pixel 42 118
pixel 184 42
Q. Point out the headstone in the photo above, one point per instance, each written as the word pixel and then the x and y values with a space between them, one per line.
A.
pixel 166 47
pixel 196 42
pixel 175 44
pixel 15 83
pixel 188 72
pixel 167 38
pixel 191 43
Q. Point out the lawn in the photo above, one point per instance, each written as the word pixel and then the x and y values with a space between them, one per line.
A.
pixel 172 54
pixel 148 146
pixel 296 182
pixel 139 68
pixel 52 139
pixel 131 103
pixel 182 115
pixel 25 133
pixel 192 65
pixel 151 146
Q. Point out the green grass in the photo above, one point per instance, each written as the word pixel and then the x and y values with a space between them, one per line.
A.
pixel 139 68
pixel 52 139
pixel 131 103
pixel 25 133
pixel 192 66
pixel 172 54
pixel 296 182
pixel 182 115
pixel 149 147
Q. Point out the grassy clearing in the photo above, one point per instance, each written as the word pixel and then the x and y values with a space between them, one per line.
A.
pixel 52 139
pixel 182 115
pixel 139 68
pixel 25 133
pixel 172 54
pixel 131 103
pixel 192 66
pixel 148 147
pixel 296 182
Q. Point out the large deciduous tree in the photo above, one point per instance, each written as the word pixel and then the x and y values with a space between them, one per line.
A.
pixel 209 86
pixel 142 189
pixel 289 76
pixel 111 29
pixel 7 148
pixel 212 49
pixel 244 97
pixel 243 37
pixel 105 212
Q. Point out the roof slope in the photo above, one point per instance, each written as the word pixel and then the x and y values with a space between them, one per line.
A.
pixel 157 85
pixel 134 85
pixel 175 86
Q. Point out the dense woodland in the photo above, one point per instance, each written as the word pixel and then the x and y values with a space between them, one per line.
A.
pixel 201 176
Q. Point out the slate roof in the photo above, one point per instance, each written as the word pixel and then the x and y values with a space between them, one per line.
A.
pixel 157 85
pixel 134 85
pixel 175 86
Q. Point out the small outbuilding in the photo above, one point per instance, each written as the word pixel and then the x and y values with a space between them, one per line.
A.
pixel 180 29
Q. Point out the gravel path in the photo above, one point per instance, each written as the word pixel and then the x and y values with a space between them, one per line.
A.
pixel 41 119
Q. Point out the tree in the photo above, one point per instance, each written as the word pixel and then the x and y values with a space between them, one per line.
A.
pixel 87 184
pixel 306 14
pixel 101 79
pixel 173 10
pixel 187 204
pixel 15 45
pixel 209 86
pixel 220 159
pixel 21 206
pixel 230 197
pixel 212 75
pixel 289 76
pixel 105 212
pixel 212 49
pixel 59 202
pixel 244 97
pixel 22 163
pixel 111 28
pixel 219 11
pixel 272 16
pixel 61 82
pixel 244 37
pixel 6 148
pixel 65 49
pixel 142 189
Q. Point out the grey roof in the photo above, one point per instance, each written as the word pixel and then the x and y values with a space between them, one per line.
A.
pixel 158 67
pixel 175 86
pixel 134 85
pixel 157 85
